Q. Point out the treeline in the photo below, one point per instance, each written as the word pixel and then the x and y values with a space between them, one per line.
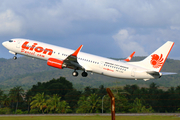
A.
pixel 59 96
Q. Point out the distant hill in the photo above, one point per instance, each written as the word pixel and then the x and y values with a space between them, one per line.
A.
pixel 26 72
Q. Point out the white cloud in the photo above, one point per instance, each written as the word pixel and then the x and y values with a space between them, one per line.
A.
pixel 144 43
pixel 61 17
pixel 126 39
pixel 10 24
pixel 143 25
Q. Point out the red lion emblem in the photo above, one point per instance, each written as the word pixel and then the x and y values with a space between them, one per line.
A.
pixel 156 61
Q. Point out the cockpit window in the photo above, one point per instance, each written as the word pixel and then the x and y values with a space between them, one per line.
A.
pixel 10 40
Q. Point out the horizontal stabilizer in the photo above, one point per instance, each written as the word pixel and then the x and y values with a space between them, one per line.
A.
pixel 155 73
pixel 168 73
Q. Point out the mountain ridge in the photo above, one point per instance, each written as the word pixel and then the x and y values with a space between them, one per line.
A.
pixel 26 72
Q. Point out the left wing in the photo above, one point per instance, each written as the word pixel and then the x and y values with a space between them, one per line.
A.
pixel 130 57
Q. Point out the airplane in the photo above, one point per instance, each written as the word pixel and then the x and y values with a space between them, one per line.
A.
pixel 59 57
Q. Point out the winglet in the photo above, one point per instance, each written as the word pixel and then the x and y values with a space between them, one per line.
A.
pixel 129 58
pixel 77 51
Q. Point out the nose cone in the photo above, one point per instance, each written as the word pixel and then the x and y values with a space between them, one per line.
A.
pixel 4 44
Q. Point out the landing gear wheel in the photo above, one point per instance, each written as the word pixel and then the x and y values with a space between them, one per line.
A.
pixel 14 57
pixel 84 74
pixel 75 73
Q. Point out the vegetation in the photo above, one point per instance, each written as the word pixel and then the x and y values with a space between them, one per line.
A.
pixel 15 95
pixel 90 104
pixel 59 96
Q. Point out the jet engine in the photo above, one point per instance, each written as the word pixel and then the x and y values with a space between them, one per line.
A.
pixel 53 62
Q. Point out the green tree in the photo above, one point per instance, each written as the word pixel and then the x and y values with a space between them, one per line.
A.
pixel 72 98
pixel 39 102
pixel 6 101
pixel 1 98
pixel 138 107
pixel 28 99
pixel 5 110
pixel 133 91
pixel 90 104
pixel 82 105
pixel 174 97
pixel 155 97
pixel 59 86
pixel 16 95
pixel 121 102
pixel 55 105
pixel 63 107
pixel 101 91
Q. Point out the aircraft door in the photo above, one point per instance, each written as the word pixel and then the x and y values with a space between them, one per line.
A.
pixel 18 44
pixel 101 64
pixel 133 72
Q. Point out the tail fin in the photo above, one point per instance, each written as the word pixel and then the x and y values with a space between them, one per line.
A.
pixel 156 60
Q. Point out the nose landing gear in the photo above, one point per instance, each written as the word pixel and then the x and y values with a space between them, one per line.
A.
pixel 15 57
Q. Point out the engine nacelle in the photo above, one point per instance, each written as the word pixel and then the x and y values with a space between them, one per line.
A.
pixel 55 63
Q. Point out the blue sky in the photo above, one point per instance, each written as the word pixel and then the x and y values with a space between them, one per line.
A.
pixel 105 28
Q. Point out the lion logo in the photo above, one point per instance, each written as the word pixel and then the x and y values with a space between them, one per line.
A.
pixel 156 60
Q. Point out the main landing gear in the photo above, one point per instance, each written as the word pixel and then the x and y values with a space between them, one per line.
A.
pixel 75 74
pixel 84 74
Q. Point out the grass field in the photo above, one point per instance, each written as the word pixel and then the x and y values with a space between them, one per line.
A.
pixel 89 118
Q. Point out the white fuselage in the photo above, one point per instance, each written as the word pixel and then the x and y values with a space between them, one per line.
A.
pixel 90 63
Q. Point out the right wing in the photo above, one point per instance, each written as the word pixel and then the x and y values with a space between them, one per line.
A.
pixel 69 62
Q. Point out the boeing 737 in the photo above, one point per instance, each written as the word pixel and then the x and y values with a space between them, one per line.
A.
pixel 59 57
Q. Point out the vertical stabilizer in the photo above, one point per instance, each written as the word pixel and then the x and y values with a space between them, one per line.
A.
pixel 156 60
